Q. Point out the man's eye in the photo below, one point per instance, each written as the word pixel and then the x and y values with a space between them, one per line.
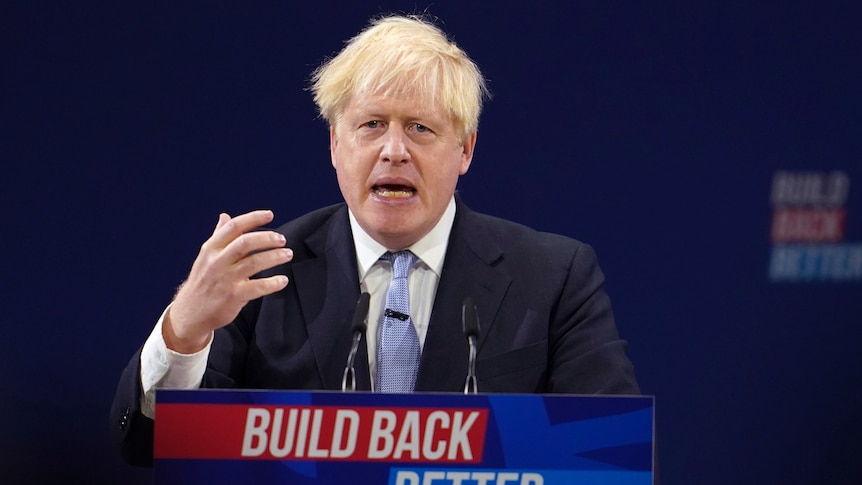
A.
pixel 372 124
pixel 420 128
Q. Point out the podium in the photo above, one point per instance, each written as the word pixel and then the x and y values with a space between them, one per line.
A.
pixel 299 437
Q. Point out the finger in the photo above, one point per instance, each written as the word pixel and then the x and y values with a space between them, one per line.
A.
pixel 235 227
pixel 250 243
pixel 256 288
pixel 257 262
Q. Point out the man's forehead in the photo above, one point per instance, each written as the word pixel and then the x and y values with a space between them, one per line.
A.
pixel 414 102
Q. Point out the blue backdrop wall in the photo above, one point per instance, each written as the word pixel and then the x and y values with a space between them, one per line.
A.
pixel 709 151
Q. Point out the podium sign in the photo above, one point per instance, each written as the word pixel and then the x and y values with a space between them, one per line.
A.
pixel 226 436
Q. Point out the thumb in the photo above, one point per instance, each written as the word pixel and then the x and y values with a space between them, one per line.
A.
pixel 223 219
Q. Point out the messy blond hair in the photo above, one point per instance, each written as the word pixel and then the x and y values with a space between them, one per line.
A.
pixel 403 57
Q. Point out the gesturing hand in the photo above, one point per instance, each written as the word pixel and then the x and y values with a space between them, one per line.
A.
pixel 220 283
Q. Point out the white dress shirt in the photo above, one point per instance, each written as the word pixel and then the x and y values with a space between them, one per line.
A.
pixel 375 275
pixel 161 367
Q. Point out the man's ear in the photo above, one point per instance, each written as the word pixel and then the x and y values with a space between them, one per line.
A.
pixel 467 151
pixel 333 142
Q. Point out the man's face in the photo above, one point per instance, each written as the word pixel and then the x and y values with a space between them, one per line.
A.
pixel 397 162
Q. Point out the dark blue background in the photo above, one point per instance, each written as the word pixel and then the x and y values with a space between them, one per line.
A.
pixel 651 131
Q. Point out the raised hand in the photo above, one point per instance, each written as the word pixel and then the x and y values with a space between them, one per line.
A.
pixel 220 283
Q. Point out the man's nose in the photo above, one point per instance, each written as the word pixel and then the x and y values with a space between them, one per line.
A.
pixel 395 146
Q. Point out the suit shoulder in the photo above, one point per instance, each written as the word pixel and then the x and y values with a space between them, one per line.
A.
pixel 515 236
pixel 306 224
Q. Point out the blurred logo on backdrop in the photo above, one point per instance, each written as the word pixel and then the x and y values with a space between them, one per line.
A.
pixel 809 223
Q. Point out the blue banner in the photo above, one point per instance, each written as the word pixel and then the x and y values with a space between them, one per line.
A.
pixel 217 436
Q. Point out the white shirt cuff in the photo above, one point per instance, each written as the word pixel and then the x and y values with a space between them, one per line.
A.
pixel 162 367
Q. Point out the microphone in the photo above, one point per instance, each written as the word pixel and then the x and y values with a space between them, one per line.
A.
pixel 360 323
pixel 470 318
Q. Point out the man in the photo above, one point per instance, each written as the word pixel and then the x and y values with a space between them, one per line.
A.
pixel 403 104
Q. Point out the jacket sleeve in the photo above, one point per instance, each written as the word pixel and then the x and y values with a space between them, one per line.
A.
pixel 131 431
pixel 586 354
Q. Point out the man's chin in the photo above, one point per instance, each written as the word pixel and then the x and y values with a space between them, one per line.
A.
pixel 397 236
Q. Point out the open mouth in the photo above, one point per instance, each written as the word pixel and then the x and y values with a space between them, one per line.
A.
pixel 393 191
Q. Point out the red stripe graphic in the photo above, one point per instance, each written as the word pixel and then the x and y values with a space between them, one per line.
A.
pixel 808 225
pixel 234 431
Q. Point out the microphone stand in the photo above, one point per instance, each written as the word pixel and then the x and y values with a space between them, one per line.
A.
pixel 360 323
pixel 470 320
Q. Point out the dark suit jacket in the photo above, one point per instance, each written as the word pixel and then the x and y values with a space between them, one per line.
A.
pixel 546 321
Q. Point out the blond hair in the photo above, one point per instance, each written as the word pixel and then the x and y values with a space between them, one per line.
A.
pixel 403 57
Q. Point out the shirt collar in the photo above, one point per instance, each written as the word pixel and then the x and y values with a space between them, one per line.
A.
pixel 431 249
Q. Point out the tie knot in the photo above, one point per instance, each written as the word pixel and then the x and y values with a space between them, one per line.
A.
pixel 401 261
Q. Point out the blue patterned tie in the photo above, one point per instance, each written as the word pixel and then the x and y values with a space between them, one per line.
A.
pixel 398 352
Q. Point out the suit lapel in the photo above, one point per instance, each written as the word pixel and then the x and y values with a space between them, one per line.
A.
pixel 469 270
pixel 328 288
